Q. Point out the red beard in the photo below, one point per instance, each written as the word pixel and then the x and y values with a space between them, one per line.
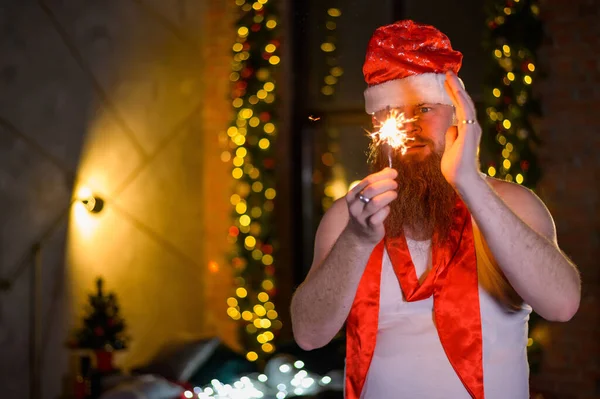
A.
pixel 425 199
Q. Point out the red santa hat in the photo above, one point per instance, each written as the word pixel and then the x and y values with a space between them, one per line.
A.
pixel 406 64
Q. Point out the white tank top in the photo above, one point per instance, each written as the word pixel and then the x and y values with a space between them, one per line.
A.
pixel 409 361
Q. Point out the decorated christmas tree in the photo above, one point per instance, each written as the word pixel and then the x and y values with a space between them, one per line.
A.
pixel 103 328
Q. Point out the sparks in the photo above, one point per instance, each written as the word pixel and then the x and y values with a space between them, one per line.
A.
pixel 392 133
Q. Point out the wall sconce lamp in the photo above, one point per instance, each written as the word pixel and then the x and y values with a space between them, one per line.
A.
pixel 92 202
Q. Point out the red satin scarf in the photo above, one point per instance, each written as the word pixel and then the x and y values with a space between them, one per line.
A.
pixel 453 284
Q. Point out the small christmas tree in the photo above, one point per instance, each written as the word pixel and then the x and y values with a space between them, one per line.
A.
pixel 103 328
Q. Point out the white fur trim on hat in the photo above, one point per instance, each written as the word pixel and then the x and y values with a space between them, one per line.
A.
pixel 411 90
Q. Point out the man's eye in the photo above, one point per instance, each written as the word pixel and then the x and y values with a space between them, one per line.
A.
pixel 423 110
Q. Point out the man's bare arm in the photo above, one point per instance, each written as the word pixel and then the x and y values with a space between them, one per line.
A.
pixel 345 239
pixel 521 235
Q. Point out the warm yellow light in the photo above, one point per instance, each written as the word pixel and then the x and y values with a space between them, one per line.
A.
pixel 330 80
pixel 496 92
pixel 247 315
pixel 267 260
pixel 257 187
pixel 271 24
pixel 269 306
pixel 246 113
pixel 250 242
pixel 237 173
pixel 261 339
pixel 263 1
pixel 506 123
pixel 510 76
pixel 334 12
pixel 267 285
pixel 257 254
pixel 327 90
pixel 519 178
pixel 241 292
pixel 498 53
pixel 238 102
pixel 265 323
pixel 328 47
pixel 274 60
pixel 492 171
pixel 505 153
pixel 241 208
pixel 270 193
pixel 269 86
pixel 225 156
pixel 254 121
pixel 263 297
pixel 527 79
pixel 501 139
pixel 330 25
pixel 260 310
pixel 241 152
pixel 264 144
pixel 261 94
pixel 254 173
pixel 245 220
pixel 270 98
pixel 256 212
pixel 509 147
pixel 506 49
pixel 270 48
pixel 239 140
pixel 508 178
pixel 238 47
pixel 251 329
pixel 507 10
pixel 232 302
pixel 506 164
pixel 240 2
pixel 237 161
pixel 253 100
pixel 232 312
pixel 535 9
pixel 337 71
pixel 531 67
pixel 272 314
pixel 267 348
pixel 269 335
pixel 252 356
pixel 257 323
pixel 257 6
pixel 243 31
pixel 529 341
pixel 234 76
pixel 235 199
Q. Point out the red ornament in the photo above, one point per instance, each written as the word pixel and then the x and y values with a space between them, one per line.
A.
pixel 247 72
pixel 265 117
pixel 98 331
pixel 269 163
pixel 267 249
pixel 255 28
pixel 524 165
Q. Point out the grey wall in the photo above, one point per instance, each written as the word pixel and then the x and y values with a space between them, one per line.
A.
pixel 110 95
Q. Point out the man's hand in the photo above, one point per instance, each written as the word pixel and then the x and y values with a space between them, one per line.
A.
pixel 367 216
pixel 459 162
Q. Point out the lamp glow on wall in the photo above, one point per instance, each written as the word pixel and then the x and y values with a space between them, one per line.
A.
pixel 85 204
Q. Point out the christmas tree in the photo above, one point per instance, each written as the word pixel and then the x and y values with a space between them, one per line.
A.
pixel 103 327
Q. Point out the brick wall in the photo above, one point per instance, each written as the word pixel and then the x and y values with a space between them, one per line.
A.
pixel 570 160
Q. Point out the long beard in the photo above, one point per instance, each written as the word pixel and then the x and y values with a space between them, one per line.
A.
pixel 425 199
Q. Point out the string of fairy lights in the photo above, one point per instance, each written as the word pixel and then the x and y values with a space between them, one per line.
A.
pixel 329 49
pixel 514 34
pixel 250 150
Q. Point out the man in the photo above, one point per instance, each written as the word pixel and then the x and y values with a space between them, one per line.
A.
pixel 434 266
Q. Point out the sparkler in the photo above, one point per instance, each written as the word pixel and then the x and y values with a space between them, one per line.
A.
pixel 392 133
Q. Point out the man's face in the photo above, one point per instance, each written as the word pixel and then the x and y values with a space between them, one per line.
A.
pixel 428 129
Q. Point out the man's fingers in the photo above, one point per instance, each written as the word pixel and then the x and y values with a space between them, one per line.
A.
pixel 378 202
pixel 387 173
pixel 381 186
pixel 378 217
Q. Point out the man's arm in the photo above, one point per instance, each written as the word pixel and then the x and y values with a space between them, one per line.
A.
pixel 345 239
pixel 521 235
